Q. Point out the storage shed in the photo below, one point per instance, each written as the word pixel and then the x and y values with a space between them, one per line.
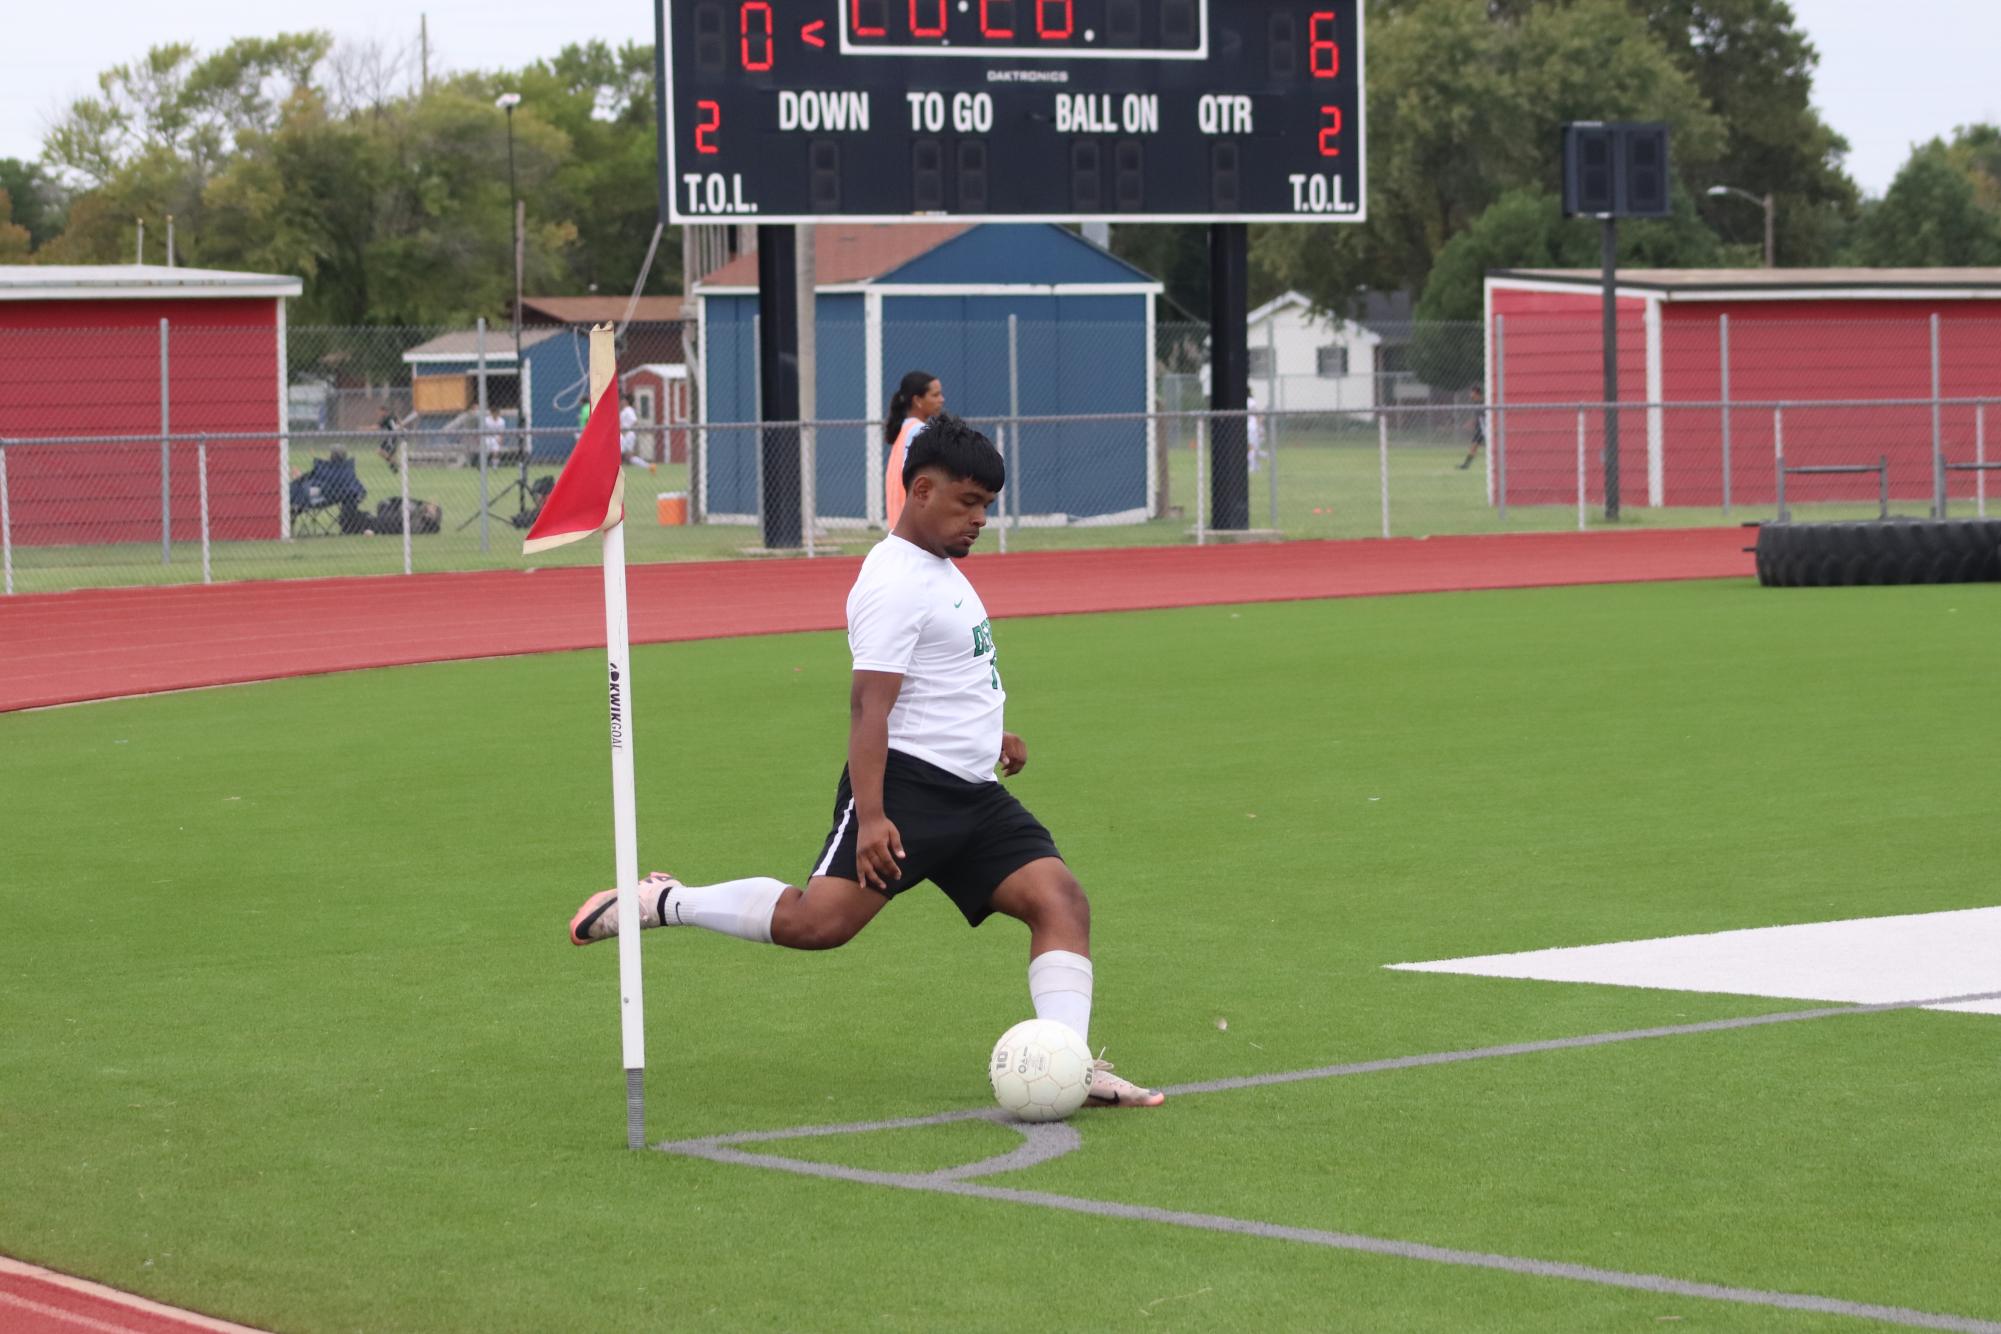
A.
pixel 545 391
pixel 142 349
pixel 658 393
pixel 937 297
pixel 1825 343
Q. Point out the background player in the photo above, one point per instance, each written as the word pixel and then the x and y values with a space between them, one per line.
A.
pixel 918 399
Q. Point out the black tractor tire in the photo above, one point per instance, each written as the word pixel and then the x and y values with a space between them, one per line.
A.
pixel 1879 551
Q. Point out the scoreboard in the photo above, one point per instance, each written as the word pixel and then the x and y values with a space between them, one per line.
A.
pixel 788 111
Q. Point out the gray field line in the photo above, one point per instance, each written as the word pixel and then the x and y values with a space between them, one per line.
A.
pixel 1042 1143
pixel 1564 1044
pixel 1349 1241
pixel 1350 1068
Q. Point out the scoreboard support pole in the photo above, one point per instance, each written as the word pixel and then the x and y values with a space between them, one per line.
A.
pixel 1608 248
pixel 778 365
pixel 1229 375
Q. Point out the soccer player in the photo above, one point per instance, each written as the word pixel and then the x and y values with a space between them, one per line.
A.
pixel 1479 430
pixel 918 799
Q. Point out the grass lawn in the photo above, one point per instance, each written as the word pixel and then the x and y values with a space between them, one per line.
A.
pixel 293 1034
pixel 1328 485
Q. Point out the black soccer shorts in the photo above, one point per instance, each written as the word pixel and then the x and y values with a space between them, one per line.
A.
pixel 964 837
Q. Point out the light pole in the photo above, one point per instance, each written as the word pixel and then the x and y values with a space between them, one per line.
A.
pixel 507 102
pixel 1765 202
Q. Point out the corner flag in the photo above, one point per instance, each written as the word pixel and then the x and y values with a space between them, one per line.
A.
pixel 589 496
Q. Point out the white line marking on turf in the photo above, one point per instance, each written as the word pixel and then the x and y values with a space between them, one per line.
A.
pixel 1349 1241
pixel 132 1301
pixel 995 1115
pixel 1040 1145
pixel 1870 960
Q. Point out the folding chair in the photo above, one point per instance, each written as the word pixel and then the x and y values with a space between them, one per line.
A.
pixel 314 513
pixel 325 497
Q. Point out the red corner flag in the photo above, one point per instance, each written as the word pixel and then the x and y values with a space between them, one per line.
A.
pixel 589 496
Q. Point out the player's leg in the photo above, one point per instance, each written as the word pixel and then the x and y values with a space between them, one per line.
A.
pixel 1045 896
pixel 824 915
pixel 827 914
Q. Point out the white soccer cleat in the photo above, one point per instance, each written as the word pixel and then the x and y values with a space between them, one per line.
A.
pixel 598 918
pixel 1110 1090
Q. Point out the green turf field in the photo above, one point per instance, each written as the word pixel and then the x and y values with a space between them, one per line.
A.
pixel 293 1034
pixel 1329 485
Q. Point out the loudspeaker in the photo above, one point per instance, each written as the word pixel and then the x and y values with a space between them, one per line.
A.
pixel 1615 169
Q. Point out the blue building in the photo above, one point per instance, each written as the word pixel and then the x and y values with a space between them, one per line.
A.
pixel 936 297
pixel 545 391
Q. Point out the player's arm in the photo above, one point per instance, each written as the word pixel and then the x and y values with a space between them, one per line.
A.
pixel 878 847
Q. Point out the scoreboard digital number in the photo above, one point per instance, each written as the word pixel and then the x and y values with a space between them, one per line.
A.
pixel 786 111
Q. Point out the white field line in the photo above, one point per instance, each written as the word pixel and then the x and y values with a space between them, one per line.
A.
pixel 1041 1145
pixel 1868 960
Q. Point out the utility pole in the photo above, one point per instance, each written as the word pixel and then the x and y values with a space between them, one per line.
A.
pixel 1608 256
pixel 507 102
pixel 424 53
pixel 1763 201
pixel 1613 170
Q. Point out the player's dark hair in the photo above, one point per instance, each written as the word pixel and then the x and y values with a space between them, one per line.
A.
pixel 958 450
pixel 914 386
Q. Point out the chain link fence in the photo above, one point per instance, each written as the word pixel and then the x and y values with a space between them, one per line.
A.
pixel 195 454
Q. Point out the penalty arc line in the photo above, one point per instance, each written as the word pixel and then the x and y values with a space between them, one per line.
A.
pixel 1041 1147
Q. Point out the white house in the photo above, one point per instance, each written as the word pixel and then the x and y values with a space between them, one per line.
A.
pixel 1306 362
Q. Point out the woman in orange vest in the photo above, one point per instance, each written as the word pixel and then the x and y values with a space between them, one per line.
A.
pixel 917 400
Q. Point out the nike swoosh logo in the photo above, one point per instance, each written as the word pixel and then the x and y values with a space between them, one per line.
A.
pixel 958 603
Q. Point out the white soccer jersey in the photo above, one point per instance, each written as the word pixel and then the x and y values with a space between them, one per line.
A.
pixel 915 614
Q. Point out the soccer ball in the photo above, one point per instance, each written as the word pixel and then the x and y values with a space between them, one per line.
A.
pixel 1041 1070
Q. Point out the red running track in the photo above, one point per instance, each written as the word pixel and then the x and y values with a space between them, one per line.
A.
pixel 39 1301
pixel 61 648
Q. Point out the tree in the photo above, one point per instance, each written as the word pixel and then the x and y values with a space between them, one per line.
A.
pixel 1754 67
pixel 14 239
pixel 38 201
pixel 394 205
pixel 192 108
pixel 603 100
pixel 1976 150
pixel 1526 229
pixel 1466 104
pixel 1931 215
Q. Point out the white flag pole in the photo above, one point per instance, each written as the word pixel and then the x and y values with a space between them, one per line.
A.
pixel 624 812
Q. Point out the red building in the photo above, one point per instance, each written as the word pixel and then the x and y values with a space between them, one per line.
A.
pixel 659 394
pixel 142 350
pixel 1819 341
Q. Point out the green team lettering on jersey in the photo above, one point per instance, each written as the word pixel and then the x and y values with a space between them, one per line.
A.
pixel 983 644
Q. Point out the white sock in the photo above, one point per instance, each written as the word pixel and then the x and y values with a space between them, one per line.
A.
pixel 740 908
pixel 1059 983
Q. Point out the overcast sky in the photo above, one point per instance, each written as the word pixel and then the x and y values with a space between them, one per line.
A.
pixel 1890 75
